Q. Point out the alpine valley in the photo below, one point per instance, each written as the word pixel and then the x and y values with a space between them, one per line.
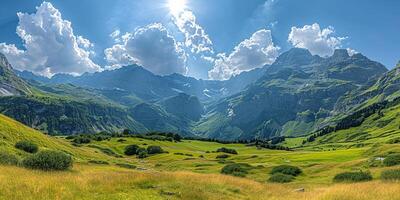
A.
pixel 199 100
pixel 295 96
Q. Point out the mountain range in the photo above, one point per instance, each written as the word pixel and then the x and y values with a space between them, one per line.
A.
pixel 297 95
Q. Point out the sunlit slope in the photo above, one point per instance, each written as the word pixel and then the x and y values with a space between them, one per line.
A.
pixel 12 131
pixel 382 127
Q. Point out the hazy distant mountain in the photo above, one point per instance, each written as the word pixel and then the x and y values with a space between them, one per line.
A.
pixel 150 87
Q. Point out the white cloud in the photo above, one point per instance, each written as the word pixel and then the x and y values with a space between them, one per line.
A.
pixel 115 35
pixel 251 53
pixel 50 45
pixel 117 56
pixel 268 5
pixel 195 37
pixel 317 41
pixel 151 47
pixel 351 52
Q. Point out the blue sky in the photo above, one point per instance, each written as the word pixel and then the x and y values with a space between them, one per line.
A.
pixel 235 35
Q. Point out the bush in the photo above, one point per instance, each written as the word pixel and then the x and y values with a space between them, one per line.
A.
pixel 226 150
pixel 27 146
pixel 392 160
pixel 352 177
pixel 142 153
pixel 126 132
pixel 8 159
pixel 121 140
pixel 99 162
pixel 281 178
pixel 48 160
pixel 222 156
pixel 131 150
pixel 106 151
pixel 81 140
pixel 154 150
pixel 177 137
pixel 236 169
pixel 391 175
pixel 70 137
pixel 125 165
pixel 286 169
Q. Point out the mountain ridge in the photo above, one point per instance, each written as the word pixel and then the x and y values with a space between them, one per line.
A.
pixel 275 104
pixel 293 96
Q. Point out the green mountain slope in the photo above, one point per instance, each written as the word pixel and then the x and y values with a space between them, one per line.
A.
pixel 65 116
pixel 366 116
pixel 294 96
pixel 184 106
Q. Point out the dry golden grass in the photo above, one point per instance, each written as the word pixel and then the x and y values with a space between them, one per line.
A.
pixel 107 182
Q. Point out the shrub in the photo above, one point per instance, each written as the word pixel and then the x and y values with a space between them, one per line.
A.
pixel 131 150
pixel 226 150
pixel 142 153
pixel 48 160
pixel 236 169
pixel 154 150
pixel 70 137
pixel 27 146
pixel 392 160
pixel 8 159
pixel 121 140
pixel 125 165
pixel 106 151
pixel 222 156
pixel 286 169
pixel 81 140
pixel 177 137
pixel 352 177
pixel 98 162
pixel 281 178
pixel 391 175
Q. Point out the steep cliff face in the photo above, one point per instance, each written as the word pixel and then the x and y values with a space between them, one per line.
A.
pixel 11 84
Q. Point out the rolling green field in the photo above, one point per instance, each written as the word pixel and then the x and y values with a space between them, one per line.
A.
pixel 190 170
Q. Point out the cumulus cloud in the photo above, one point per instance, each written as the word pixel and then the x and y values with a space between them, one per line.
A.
pixel 151 47
pixel 195 37
pixel 318 41
pixel 351 52
pixel 50 45
pixel 117 56
pixel 251 53
pixel 116 36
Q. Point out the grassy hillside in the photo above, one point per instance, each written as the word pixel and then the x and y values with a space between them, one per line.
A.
pixel 189 170
pixel 12 131
pixel 380 128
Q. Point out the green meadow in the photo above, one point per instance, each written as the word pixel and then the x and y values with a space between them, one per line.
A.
pixel 187 170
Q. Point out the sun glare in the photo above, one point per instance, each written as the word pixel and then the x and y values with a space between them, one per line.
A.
pixel 176 6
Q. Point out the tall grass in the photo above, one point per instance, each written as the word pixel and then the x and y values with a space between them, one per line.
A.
pixel 107 182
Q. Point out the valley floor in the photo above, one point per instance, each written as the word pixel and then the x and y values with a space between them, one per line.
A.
pixel 190 170
pixel 107 182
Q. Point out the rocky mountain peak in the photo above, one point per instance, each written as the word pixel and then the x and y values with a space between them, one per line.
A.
pixel 340 54
pixel 295 56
